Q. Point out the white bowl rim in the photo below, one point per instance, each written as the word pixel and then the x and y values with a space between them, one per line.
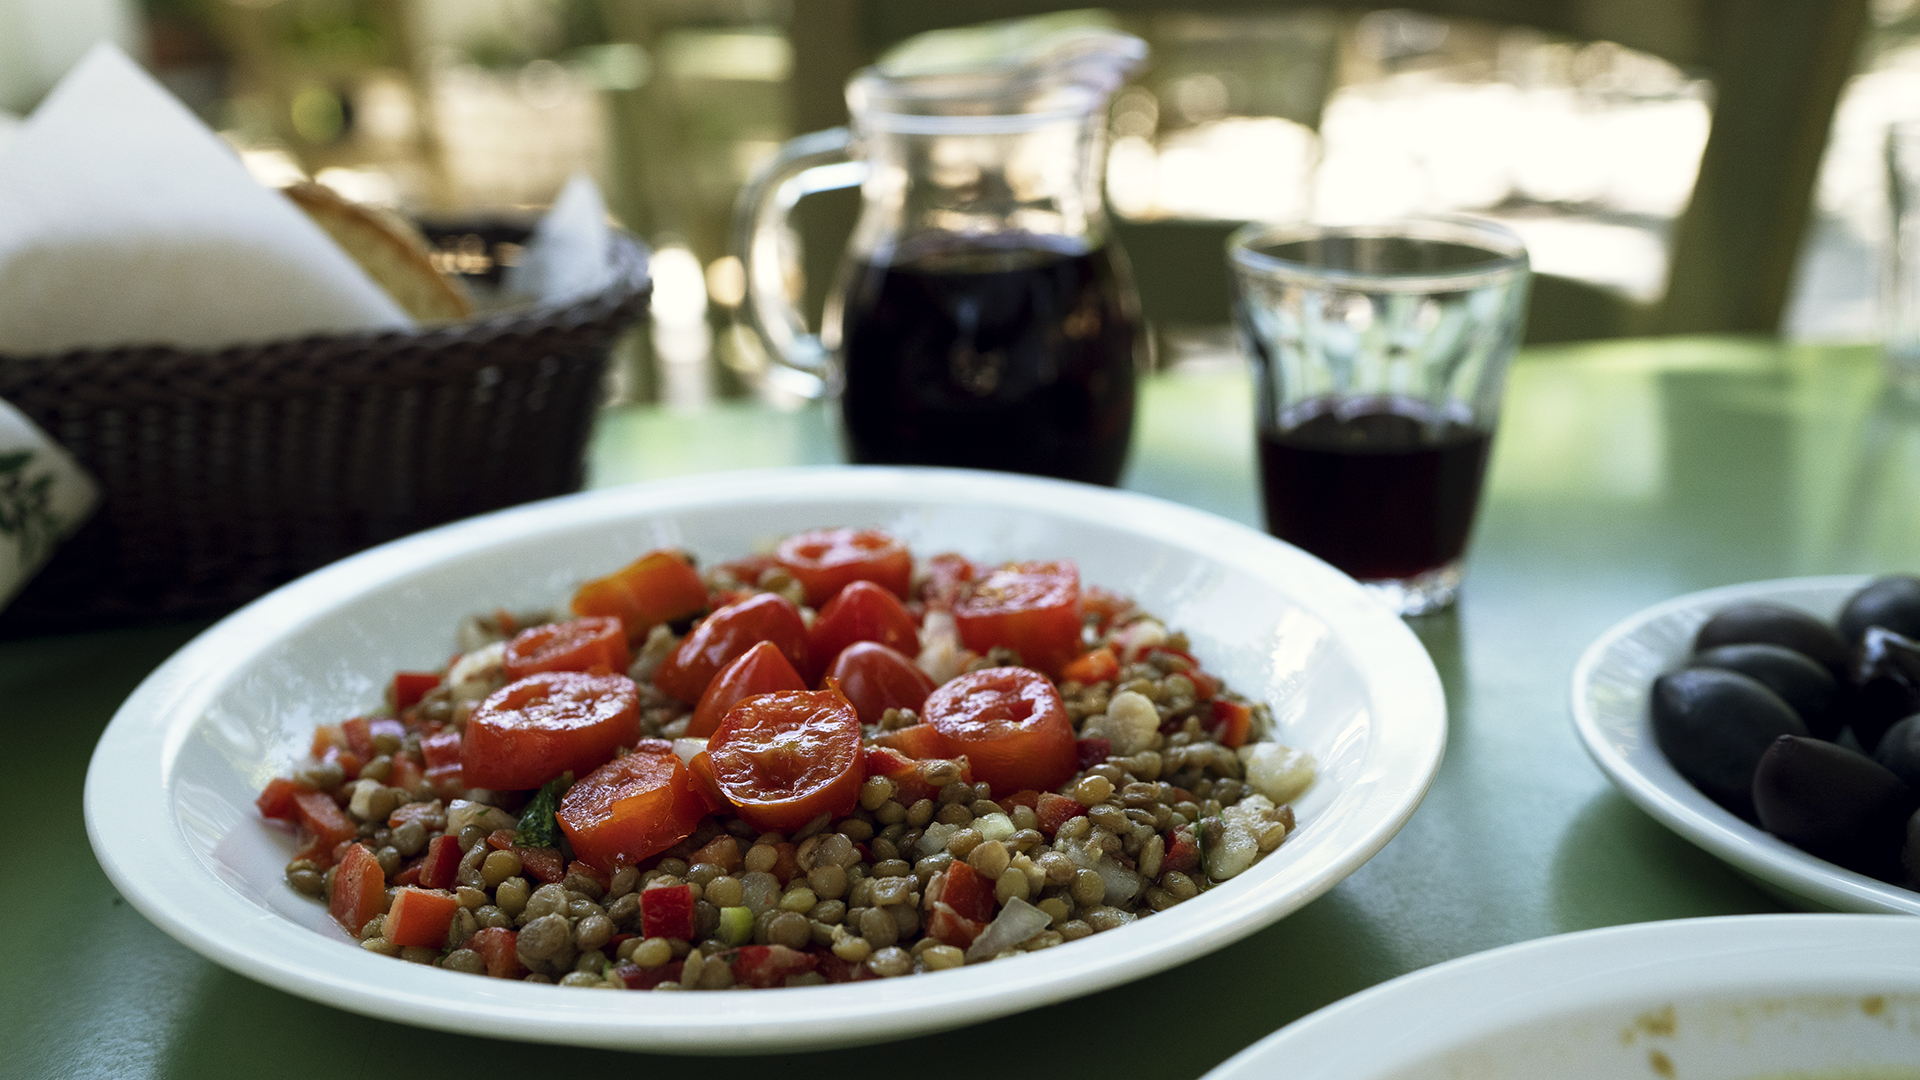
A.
pixel 1455 1003
pixel 1656 788
pixel 130 823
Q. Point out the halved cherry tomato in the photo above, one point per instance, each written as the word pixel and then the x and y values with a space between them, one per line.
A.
pixel 631 808
pixel 659 587
pixel 826 560
pixel 420 917
pixel 359 889
pixel 1032 608
pixel 532 730
pixel 1010 723
pixel 876 678
pixel 701 768
pixel 762 669
pixel 948 576
pixel 596 644
pixel 784 759
pixel 722 636
pixel 862 611
pixel 1088 668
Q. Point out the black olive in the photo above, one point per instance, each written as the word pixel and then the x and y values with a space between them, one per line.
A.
pixel 1886 684
pixel 1833 802
pixel 1804 685
pixel 1892 602
pixel 1762 623
pixel 1899 750
pixel 1714 725
pixel 1910 853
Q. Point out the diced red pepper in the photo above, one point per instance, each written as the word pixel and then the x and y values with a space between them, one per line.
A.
pixel 836 970
pixel 1056 810
pixel 440 868
pixel 498 948
pixel 410 873
pixel 639 978
pixel 950 927
pixel 276 799
pixel 407 775
pixel 359 735
pixel 441 749
pixel 1028 798
pixel 414 811
pixel 667 912
pixel 1091 751
pixel 359 889
pixel 323 818
pixel 1183 852
pixel 410 686
pixel 325 737
pixel 762 966
pixel 902 770
pixel 1232 722
pixel 420 917
pixel 968 892
pixel 442 754
pixel 543 864
pixel 348 761
pixel 1097 666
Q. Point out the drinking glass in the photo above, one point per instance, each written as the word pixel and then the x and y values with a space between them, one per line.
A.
pixel 1900 296
pixel 1379 354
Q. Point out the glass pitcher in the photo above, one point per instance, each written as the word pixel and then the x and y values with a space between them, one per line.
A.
pixel 984 315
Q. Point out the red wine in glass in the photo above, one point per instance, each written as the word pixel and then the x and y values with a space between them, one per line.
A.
pixel 1384 488
pixel 1013 352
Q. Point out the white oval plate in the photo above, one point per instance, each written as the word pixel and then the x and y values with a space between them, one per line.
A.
pixel 1741 997
pixel 1610 688
pixel 169 795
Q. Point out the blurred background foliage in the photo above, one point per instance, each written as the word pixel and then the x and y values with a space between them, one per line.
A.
pixel 458 106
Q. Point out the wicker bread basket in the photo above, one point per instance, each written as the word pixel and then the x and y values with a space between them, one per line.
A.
pixel 226 472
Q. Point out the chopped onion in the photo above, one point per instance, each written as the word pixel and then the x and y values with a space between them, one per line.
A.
pixel 686 749
pixel 1122 884
pixel 934 840
pixel 994 827
pixel 465 812
pixel 1017 922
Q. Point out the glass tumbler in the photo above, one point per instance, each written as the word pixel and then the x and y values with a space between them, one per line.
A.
pixel 1900 293
pixel 1379 355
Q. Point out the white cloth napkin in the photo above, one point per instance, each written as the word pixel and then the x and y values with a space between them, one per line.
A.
pixel 123 220
pixel 44 497
pixel 567 256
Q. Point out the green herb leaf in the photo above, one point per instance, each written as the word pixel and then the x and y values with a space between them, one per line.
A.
pixel 537 825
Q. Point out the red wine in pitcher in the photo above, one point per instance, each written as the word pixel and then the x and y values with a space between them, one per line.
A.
pixel 1015 353
pixel 1383 488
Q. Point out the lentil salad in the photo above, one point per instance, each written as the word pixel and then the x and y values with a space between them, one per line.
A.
pixel 649 794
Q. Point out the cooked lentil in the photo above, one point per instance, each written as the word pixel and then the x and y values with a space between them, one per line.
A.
pixel 1171 811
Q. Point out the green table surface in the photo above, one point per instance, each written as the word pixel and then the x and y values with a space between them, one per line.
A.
pixel 1623 473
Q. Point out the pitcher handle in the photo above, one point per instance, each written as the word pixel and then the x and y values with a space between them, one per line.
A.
pixel 808 164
